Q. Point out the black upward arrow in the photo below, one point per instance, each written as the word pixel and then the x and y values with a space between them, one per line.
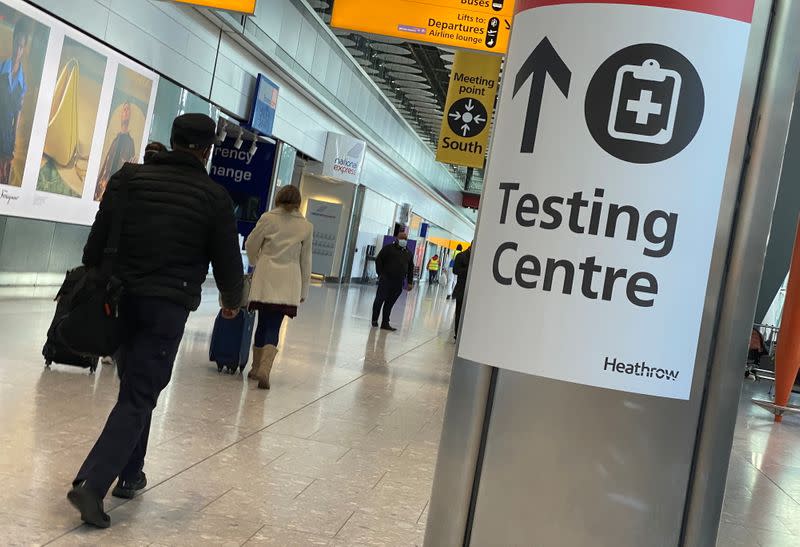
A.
pixel 543 60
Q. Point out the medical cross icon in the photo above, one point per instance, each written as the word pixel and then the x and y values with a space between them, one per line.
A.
pixel 644 107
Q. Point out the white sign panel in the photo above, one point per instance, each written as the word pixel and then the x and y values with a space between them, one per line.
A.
pixel 326 218
pixel 72 112
pixel 344 158
pixel 603 191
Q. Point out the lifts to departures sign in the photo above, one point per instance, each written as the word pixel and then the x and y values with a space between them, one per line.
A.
pixel 241 6
pixel 482 25
pixel 603 189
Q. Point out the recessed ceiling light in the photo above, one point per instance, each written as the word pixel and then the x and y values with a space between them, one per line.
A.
pixel 408 77
pixel 389 48
pixel 416 92
pixel 403 68
pixel 392 58
pixel 413 85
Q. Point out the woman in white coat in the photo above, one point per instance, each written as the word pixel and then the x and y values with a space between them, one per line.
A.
pixel 280 248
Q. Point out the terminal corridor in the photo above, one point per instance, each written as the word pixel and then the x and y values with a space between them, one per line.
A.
pixel 340 451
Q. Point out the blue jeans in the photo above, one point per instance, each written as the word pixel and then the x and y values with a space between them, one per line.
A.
pixel 268 331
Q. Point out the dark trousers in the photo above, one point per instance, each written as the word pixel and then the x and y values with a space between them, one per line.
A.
pixel 268 331
pixel 432 276
pixel 459 305
pixel 389 290
pixel 155 328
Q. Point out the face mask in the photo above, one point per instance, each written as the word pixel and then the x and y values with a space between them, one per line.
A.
pixel 403 243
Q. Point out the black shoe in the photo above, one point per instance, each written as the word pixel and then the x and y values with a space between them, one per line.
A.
pixel 127 489
pixel 90 506
pixel 388 327
pixel 449 296
pixel 374 323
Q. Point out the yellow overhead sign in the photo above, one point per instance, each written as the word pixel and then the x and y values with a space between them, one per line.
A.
pixel 482 25
pixel 464 137
pixel 243 6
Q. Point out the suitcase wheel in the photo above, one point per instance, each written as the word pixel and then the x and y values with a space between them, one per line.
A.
pixel 233 370
pixel 219 369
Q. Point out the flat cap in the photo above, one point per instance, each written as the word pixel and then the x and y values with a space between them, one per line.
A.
pixel 194 131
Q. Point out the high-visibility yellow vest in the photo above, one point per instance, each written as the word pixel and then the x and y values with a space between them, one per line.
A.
pixel 433 265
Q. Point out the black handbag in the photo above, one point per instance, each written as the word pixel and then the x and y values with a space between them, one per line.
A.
pixel 92 324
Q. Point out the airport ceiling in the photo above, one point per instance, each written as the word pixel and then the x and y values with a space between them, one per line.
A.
pixel 413 76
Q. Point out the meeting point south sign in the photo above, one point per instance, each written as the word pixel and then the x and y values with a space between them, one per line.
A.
pixel 603 191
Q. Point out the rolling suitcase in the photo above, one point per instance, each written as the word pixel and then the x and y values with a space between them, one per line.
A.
pixel 54 351
pixel 230 341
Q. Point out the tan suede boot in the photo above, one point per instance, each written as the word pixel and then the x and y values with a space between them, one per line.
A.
pixel 258 354
pixel 267 359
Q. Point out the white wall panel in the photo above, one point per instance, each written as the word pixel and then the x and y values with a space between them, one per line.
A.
pixel 290 29
pixel 270 13
pixel 151 20
pixel 307 46
pixel 322 55
pixel 90 15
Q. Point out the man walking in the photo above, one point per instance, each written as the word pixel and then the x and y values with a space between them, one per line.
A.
pixel 461 270
pixel 395 265
pixel 451 278
pixel 176 221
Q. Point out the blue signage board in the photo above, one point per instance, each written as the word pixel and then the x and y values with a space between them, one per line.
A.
pixel 262 117
pixel 247 179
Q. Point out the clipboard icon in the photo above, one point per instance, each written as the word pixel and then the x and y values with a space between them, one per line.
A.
pixel 645 103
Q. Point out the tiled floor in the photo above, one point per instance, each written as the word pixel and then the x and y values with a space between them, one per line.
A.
pixel 340 452
pixel 762 500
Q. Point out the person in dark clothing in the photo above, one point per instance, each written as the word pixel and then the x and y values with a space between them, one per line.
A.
pixel 152 150
pixel 395 265
pixel 176 221
pixel 13 88
pixel 121 151
pixel 460 269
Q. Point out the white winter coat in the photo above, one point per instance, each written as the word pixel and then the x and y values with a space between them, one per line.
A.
pixel 280 248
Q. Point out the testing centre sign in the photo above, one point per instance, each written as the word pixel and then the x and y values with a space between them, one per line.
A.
pixel 482 25
pixel 603 191
pixel 242 6
pixel 464 136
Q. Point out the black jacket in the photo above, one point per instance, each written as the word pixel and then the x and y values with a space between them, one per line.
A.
pixel 177 220
pixel 461 269
pixel 395 263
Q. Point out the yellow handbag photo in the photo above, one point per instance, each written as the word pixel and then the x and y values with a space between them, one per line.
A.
pixel 62 133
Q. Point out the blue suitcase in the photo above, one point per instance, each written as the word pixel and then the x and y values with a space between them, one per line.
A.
pixel 230 341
